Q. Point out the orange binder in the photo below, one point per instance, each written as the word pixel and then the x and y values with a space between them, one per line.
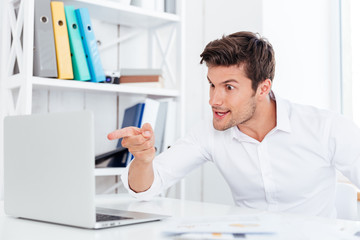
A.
pixel 62 46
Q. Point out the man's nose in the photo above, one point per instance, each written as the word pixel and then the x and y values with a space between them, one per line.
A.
pixel 216 98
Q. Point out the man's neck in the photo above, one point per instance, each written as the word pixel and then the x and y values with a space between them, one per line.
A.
pixel 263 121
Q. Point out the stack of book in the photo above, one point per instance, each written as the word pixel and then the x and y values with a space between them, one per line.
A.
pixel 141 77
pixel 64 43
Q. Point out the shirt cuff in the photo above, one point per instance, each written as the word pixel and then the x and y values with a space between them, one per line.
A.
pixel 153 191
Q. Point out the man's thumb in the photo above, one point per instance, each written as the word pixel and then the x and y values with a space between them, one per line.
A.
pixel 147 130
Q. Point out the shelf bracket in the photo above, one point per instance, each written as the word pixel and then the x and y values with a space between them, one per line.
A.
pixel 165 52
pixel 113 187
pixel 18 46
pixel 119 40
pixel 16 25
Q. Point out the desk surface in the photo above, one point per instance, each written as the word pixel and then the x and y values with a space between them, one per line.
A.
pixel 291 226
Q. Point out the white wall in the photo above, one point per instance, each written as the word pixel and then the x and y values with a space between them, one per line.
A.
pixel 351 50
pixel 305 37
pixel 194 84
pixel 1 114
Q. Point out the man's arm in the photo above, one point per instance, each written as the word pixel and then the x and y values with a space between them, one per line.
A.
pixel 141 176
pixel 344 148
pixel 140 142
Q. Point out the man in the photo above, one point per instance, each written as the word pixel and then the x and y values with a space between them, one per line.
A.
pixel 275 155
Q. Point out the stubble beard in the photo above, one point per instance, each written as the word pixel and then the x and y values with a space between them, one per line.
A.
pixel 242 119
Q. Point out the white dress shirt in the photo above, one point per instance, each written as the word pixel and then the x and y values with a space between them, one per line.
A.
pixel 291 170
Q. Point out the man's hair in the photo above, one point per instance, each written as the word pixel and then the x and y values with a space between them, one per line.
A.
pixel 242 48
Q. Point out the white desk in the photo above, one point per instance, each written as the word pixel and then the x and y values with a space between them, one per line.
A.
pixel 292 226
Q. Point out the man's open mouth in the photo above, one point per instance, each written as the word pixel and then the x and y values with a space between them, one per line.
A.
pixel 221 115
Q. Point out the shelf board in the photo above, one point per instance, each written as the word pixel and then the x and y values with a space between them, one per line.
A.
pixel 40 82
pixel 127 15
pixel 109 171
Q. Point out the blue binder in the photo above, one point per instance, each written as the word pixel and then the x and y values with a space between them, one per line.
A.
pixel 90 45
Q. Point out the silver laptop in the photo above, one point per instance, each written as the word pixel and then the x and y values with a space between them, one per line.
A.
pixel 49 172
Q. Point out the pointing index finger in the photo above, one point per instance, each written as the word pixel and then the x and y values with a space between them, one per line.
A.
pixel 124 132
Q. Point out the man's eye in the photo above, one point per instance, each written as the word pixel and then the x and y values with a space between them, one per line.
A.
pixel 229 87
pixel 211 85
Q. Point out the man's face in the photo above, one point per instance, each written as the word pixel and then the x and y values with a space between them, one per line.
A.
pixel 231 97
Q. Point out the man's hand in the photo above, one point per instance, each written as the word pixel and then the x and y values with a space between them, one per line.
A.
pixel 139 141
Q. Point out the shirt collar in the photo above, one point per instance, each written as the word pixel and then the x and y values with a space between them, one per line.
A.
pixel 282 113
pixel 282 119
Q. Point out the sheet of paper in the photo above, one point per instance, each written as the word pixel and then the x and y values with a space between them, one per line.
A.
pixel 209 236
pixel 222 225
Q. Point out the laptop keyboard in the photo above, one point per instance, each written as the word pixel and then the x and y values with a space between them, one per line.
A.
pixel 103 217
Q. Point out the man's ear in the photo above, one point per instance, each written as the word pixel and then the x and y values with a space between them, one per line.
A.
pixel 264 88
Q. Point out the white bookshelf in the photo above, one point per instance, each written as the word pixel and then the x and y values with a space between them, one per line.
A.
pixel 17 45
pixel 49 83
pixel 108 171
pixel 114 12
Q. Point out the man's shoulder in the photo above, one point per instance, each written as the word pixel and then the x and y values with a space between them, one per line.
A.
pixel 309 111
pixel 293 110
pixel 305 116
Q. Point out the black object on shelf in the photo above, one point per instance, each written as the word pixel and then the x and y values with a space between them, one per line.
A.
pixel 115 158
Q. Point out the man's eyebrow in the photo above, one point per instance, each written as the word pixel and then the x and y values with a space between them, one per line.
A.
pixel 230 81
pixel 225 82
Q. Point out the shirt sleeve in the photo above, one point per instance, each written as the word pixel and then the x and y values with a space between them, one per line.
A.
pixel 345 145
pixel 173 164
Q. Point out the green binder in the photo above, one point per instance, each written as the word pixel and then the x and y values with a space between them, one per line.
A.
pixel 80 66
